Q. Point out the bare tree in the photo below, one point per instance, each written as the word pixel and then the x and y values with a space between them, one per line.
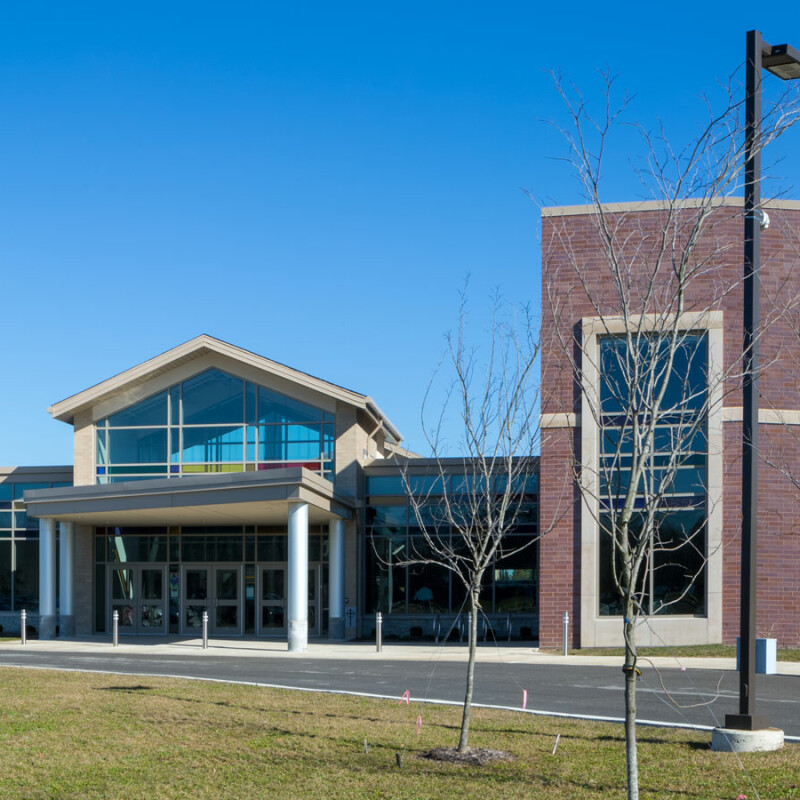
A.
pixel 468 507
pixel 634 301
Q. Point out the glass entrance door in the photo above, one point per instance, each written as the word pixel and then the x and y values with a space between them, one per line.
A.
pixel 137 594
pixel 217 589
pixel 271 614
pixel 227 585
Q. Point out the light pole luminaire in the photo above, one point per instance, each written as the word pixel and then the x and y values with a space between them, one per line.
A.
pixel 784 62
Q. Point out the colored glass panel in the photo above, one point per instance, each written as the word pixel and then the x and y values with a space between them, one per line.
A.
pixel 213 444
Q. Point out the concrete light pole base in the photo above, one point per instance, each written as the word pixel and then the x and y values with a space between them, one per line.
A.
pixel 732 740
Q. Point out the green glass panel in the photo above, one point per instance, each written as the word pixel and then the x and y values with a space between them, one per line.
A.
pixel 156 470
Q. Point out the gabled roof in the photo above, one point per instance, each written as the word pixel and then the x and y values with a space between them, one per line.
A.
pixel 202 345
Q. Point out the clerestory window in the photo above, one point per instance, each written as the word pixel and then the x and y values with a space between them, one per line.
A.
pixel 213 422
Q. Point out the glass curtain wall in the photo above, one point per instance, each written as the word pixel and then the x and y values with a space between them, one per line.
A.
pixel 213 422
pixel 19 548
pixel 395 586
pixel 173 547
pixel 672 580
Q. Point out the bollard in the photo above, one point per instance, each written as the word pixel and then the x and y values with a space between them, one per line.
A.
pixel 566 633
pixel 378 632
pixel 437 628
pixel 23 621
pixel 205 630
pixel 115 623
pixel 508 626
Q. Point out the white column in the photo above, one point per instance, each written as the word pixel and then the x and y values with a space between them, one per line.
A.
pixel 298 577
pixel 336 556
pixel 66 622
pixel 47 578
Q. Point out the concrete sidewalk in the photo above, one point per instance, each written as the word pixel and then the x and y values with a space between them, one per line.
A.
pixel 364 651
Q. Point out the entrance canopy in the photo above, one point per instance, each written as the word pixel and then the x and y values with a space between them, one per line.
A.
pixel 248 498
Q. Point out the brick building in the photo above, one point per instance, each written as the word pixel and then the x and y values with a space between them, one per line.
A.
pixel 611 270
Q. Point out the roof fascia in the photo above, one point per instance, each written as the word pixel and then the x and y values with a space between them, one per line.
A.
pixel 65 410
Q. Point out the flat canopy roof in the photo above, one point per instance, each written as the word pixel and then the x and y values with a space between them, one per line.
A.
pixel 243 498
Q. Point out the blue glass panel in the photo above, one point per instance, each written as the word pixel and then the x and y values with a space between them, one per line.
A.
pixel 251 404
pixel 174 468
pixel 175 445
pixel 274 407
pixel 101 470
pixel 213 397
pixel 329 439
pixel 59 484
pixel 6 491
pixel 432 484
pixel 300 451
pixel 5 519
pixel 385 484
pixel 383 516
pixel 625 363
pixel 149 412
pixel 21 488
pixel 102 450
pixel 213 444
pixel 22 521
pixel 252 432
pixel 175 405
pixel 137 446
pixel 276 445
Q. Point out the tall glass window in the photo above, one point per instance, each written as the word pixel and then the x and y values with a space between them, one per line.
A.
pixel 397 585
pixel 672 579
pixel 213 422
pixel 19 548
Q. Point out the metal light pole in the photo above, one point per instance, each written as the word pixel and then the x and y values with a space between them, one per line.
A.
pixel 783 61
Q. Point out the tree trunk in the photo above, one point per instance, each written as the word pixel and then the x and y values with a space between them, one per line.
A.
pixel 463 744
pixel 631 759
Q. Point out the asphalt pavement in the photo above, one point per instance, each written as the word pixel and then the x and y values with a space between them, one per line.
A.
pixel 689 691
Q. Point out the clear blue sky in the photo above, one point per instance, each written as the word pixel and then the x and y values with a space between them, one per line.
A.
pixel 311 181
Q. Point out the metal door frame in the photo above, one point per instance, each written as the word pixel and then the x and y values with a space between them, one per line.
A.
pixel 136 569
pixel 211 601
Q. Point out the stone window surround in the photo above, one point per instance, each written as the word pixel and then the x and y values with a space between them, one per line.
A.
pixel 597 631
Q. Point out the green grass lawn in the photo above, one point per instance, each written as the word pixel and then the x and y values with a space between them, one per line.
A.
pixel 74 735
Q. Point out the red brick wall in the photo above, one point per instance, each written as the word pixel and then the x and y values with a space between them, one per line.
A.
pixel 571 241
